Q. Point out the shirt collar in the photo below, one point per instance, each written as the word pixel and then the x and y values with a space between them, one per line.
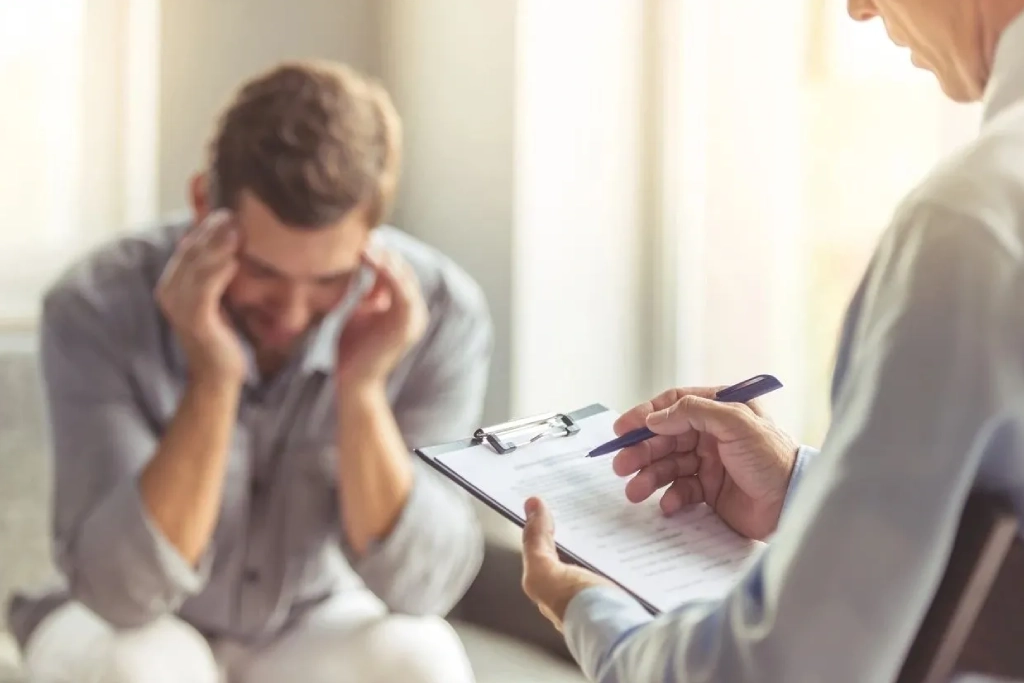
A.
pixel 1005 85
pixel 321 351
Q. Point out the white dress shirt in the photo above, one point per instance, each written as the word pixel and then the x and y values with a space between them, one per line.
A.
pixel 928 404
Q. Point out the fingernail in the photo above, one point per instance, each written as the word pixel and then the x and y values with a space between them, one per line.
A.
pixel 531 508
pixel 217 217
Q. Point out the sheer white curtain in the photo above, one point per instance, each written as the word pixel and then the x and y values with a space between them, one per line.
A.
pixel 78 129
pixel 731 212
pixel 790 132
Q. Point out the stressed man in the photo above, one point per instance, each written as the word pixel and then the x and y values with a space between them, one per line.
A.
pixel 233 401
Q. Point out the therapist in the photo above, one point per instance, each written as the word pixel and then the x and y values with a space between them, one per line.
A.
pixel 928 404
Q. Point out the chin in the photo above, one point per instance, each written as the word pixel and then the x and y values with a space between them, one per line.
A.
pixel 959 92
pixel 265 342
pixel 277 345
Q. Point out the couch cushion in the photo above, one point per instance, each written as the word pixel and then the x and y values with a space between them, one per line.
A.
pixel 9 660
pixel 25 484
pixel 500 659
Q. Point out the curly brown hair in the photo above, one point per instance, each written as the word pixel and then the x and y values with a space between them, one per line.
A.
pixel 313 140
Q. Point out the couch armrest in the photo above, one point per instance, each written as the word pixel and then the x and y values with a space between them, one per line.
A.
pixel 496 601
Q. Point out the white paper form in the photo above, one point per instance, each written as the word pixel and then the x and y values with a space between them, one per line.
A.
pixel 665 561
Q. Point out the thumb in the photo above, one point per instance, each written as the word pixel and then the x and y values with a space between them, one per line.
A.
pixel 718 419
pixel 377 300
pixel 539 531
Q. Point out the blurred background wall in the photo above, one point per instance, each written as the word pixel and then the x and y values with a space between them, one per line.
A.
pixel 651 192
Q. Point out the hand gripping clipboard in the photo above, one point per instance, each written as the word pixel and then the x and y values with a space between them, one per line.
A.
pixel 508 439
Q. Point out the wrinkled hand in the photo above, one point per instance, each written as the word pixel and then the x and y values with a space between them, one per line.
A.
pixel 731 456
pixel 550 583
pixel 190 293
pixel 388 321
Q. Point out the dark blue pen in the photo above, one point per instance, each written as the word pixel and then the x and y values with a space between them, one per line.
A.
pixel 747 390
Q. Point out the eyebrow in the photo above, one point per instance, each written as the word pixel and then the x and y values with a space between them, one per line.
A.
pixel 263 265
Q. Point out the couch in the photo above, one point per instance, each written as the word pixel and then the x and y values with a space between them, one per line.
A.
pixel 506 638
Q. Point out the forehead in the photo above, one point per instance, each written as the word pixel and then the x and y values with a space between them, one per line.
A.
pixel 297 251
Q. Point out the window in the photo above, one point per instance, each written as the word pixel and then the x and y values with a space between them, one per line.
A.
pixel 39 46
pixel 77 130
pixel 875 126
pixel 790 135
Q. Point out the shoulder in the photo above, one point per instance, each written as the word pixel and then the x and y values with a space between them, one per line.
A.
pixel 450 291
pixel 955 248
pixel 111 287
pixel 974 200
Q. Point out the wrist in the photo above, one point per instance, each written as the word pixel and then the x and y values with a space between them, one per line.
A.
pixel 361 403
pixel 364 392
pixel 215 385
pixel 579 582
pixel 213 373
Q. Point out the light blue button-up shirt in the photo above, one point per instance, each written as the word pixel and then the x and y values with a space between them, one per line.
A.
pixel 114 376
pixel 928 403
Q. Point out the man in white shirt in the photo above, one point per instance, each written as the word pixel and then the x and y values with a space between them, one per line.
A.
pixel 928 404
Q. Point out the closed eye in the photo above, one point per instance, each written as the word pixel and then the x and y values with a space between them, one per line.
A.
pixel 259 270
pixel 333 280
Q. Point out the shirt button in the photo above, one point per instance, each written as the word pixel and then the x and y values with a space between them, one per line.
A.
pixel 251 575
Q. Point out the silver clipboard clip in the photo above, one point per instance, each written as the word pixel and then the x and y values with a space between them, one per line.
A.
pixel 499 436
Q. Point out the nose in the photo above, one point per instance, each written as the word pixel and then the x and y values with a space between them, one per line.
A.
pixel 294 314
pixel 861 10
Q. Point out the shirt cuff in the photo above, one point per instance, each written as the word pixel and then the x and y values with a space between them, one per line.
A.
pixel 427 561
pixel 381 553
pixel 596 620
pixel 804 456
pixel 125 569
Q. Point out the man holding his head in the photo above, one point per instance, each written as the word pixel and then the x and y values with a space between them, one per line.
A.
pixel 928 404
pixel 232 402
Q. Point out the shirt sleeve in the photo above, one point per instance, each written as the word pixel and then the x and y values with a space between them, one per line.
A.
pixel 805 455
pixel 431 557
pixel 839 593
pixel 115 560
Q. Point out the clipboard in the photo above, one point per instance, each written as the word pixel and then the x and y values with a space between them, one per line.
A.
pixel 503 440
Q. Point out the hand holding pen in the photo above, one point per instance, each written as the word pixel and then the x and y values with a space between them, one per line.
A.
pixel 745 391
pixel 713 446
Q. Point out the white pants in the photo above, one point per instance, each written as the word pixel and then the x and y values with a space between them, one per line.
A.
pixel 335 644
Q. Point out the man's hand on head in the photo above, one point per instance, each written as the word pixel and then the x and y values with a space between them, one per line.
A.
pixel 386 323
pixel 190 294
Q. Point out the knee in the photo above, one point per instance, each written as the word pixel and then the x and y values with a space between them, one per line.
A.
pixel 166 650
pixel 424 650
pixel 75 645
pixel 393 648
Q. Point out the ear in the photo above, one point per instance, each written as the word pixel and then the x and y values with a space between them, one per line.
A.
pixel 199 196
